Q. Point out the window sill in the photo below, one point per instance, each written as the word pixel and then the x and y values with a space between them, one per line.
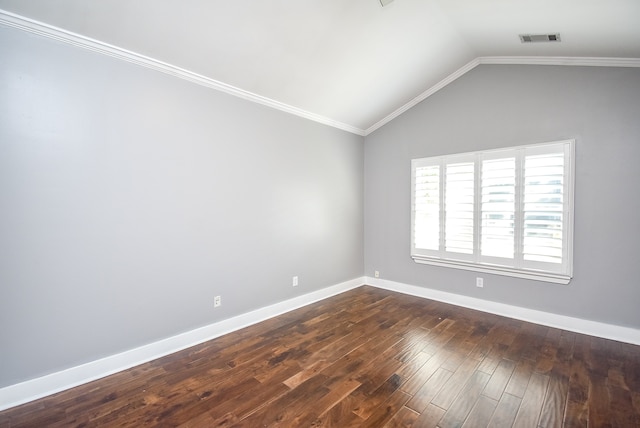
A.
pixel 496 270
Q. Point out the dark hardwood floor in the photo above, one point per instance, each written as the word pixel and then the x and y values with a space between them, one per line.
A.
pixel 367 357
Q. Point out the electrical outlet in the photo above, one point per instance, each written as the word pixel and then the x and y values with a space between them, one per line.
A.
pixel 479 282
pixel 376 274
pixel 295 281
pixel 217 301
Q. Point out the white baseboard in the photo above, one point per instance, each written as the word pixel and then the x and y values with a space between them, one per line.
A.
pixel 577 325
pixel 33 389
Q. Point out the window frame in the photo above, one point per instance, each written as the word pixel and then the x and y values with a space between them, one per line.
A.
pixel 516 267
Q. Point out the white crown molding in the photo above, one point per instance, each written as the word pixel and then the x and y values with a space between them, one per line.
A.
pixel 563 322
pixel 507 60
pixel 34 389
pixel 432 90
pixel 35 27
pixel 32 26
pixel 558 60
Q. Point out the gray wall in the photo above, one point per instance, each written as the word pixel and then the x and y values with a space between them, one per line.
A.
pixel 501 106
pixel 129 199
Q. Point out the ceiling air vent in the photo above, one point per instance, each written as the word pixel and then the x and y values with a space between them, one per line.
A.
pixel 532 38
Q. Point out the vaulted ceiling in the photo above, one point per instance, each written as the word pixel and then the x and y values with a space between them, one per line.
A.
pixel 349 63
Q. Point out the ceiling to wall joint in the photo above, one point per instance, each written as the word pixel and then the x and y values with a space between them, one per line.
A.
pixel 351 64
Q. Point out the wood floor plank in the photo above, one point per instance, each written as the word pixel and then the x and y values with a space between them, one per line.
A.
pixel 465 401
pixel 378 370
pixel 576 416
pixel 482 348
pixel 520 378
pixel 337 392
pixel 599 401
pixel 455 384
pixel 430 417
pixel 531 406
pixel 387 410
pixel 499 380
pixel 564 355
pixel 429 390
pixel 339 416
pixel 368 402
pixel 481 413
pixel 205 421
pixel 411 367
pixel 415 382
pixel 335 349
pixel 284 408
pixel 490 362
pixel 307 373
pixel 242 405
pixel 438 339
pixel 506 411
pixel 635 400
pixel 555 402
pixel 408 350
pixel 622 411
pixel 577 413
pixel 546 358
pixel 366 357
pixel 405 417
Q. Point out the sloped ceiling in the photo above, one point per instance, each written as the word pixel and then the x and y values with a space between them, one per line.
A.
pixel 351 62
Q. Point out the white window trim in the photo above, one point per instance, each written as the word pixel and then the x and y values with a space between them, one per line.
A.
pixel 496 270
pixel 478 266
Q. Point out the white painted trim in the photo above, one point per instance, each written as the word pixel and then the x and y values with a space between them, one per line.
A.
pixel 577 325
pixel 495 270
pixel 30 390
pixel 432 90
pixel 29 25
pixel 32 26
pixel 558 60
pixel 506 60
pixel 34 389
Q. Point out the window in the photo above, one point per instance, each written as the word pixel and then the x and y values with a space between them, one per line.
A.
pixel 506 211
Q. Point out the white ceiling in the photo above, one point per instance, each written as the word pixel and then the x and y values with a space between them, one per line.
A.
pixel 352 62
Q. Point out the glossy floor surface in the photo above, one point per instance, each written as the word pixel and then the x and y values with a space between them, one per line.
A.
pixel 367 357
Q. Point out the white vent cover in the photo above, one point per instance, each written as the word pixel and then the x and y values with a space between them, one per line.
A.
pixel 532 38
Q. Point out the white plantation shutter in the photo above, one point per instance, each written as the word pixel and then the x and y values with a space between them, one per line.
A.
pixel 507 211
pixel 427 207
pixel 497 211
pixel 545 208
pixel 459 207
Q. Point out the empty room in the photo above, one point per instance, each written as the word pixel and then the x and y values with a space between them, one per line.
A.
pixel 340 213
